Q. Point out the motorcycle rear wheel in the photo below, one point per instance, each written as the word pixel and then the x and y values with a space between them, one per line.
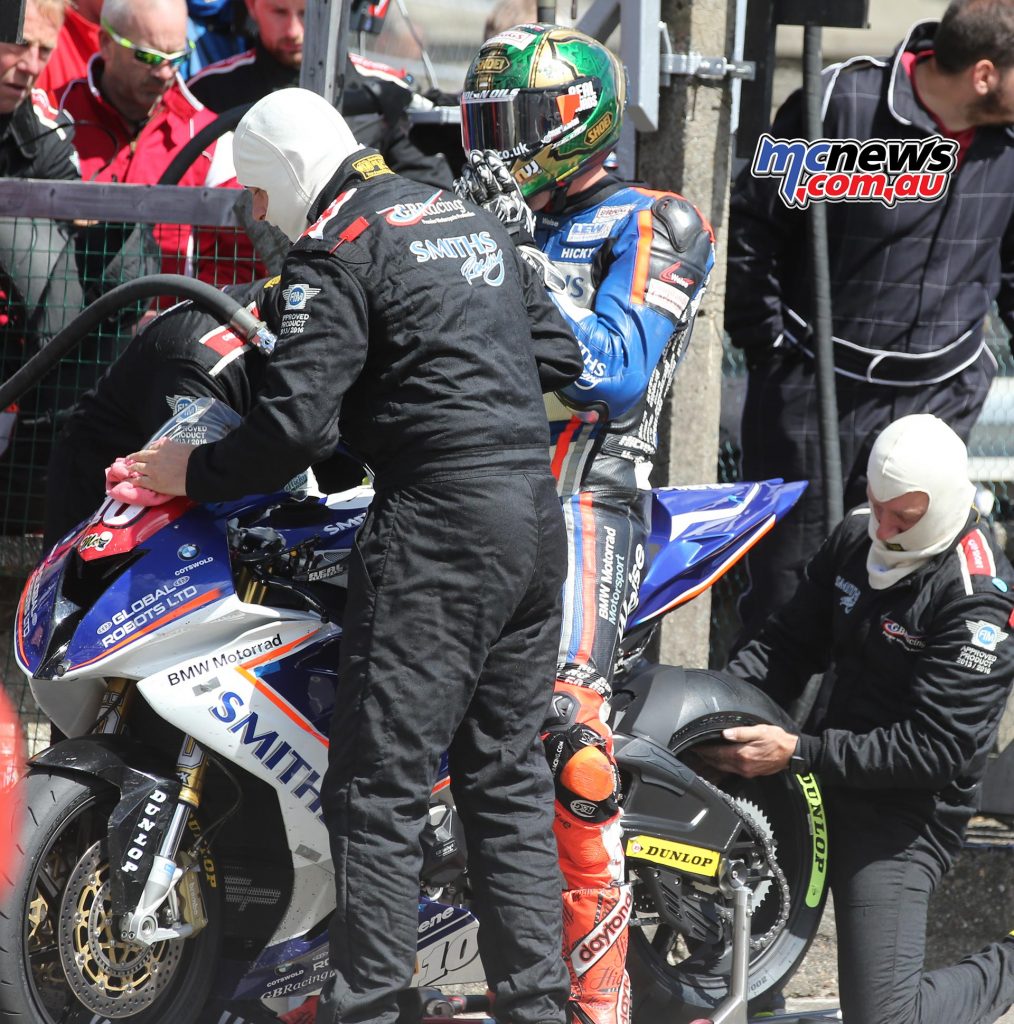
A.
pixel 679 980
pixel 56 913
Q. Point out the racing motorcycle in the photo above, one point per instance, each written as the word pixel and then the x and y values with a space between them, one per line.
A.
pixel 173 853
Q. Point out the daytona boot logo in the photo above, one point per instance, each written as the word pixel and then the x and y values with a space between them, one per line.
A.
pixel 887 171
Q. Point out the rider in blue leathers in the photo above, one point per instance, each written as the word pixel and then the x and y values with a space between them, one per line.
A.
pixel 627 266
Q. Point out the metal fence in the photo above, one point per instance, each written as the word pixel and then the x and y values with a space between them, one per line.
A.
pixel 62 244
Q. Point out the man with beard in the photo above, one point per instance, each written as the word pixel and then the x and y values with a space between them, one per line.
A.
pixel 911 283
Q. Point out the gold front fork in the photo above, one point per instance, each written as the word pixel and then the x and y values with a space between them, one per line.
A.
pixel 250 590
pixel 115 706
pixel 190 768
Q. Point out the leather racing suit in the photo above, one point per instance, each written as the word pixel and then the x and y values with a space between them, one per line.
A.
pixel 633 265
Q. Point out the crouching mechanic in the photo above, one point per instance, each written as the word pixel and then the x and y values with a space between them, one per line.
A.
pixel 910 605
pixel 408 323
pixel 627 266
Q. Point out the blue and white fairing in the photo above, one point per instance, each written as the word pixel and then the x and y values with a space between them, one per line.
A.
pixel 698 533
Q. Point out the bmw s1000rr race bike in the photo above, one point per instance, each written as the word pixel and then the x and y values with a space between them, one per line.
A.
pixel 173 854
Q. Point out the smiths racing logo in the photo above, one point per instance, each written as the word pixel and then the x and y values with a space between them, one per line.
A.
pixel 887 171
pixel 897 633
pixel 434 211
pixel 481 256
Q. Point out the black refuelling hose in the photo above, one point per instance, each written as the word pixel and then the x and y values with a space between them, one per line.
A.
pixel 225 122
pixel 217 303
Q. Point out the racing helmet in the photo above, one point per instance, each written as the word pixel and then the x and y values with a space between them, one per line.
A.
pixel 549 100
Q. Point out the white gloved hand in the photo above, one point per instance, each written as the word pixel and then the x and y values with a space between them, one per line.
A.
pixel 486 181
pixel 552 278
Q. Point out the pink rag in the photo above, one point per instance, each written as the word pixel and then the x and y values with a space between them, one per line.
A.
pixel 122 488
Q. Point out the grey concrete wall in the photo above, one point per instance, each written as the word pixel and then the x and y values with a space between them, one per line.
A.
pixel 690 153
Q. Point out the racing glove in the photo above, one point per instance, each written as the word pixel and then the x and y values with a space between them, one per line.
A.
pixel 552 279
pixel 486 181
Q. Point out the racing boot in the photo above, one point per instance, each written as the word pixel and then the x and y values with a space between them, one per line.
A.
pixel 595 948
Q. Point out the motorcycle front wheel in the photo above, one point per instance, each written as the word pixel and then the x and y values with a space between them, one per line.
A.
pixel 678 975
pixel 61 960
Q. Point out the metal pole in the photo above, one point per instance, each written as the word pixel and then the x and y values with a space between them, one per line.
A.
pixel 325 48
pixel 830 442
pixel 12 19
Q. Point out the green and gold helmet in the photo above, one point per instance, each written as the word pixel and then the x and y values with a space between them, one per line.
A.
pixel 549 100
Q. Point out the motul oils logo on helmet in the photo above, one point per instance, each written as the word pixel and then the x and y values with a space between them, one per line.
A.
pixel 693 859
pixel 492 65
pixel 598 129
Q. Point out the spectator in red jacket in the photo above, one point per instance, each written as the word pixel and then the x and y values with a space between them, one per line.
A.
pixel 78 40
pixel 133 114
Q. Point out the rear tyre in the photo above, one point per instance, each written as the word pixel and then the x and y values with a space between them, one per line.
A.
pixel 60 959
pixel 679 977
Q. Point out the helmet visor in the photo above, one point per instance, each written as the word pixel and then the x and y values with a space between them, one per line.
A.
pixel 518 122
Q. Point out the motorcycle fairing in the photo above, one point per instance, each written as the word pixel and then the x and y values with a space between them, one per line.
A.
pixel 286 969
pixel 225 701
pixel 698 533
pixel 97 609
pixel 118 527
pixel 448 946
pixel 448 954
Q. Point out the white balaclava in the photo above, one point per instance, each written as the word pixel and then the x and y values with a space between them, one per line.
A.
pixel 917 453
pixel 290 143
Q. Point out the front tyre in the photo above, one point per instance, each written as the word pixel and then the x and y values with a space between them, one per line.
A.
pixel 61 961
pixel 679 977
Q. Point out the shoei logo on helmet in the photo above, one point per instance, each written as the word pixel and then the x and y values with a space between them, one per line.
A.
pixel 491 65
pixel 598 129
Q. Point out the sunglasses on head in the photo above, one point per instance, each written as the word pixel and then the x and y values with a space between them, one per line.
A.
pixel 145 54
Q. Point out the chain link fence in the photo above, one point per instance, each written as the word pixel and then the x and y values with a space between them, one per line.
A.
pixel 62 245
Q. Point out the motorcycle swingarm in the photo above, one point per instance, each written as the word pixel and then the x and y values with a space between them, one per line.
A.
pixel 671 818
pixel 138 822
